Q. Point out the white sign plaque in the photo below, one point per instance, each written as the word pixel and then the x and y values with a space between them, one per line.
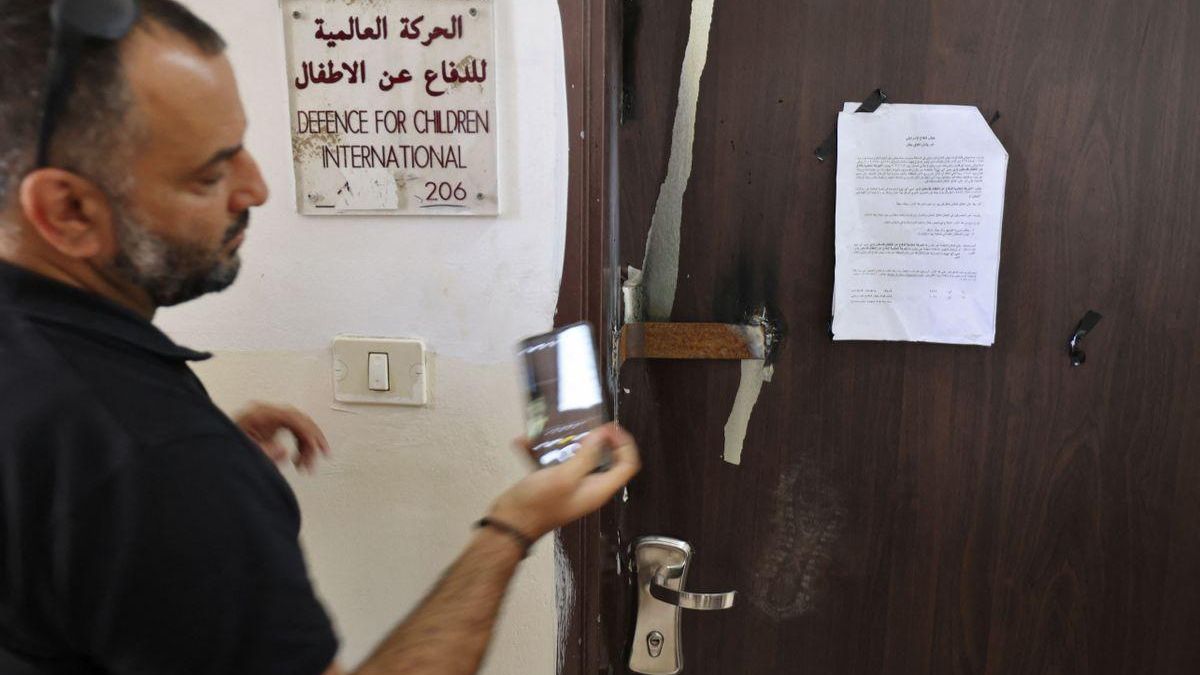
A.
pixel 393 106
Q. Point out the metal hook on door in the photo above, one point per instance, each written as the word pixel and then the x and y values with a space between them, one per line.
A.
pixel 1085 326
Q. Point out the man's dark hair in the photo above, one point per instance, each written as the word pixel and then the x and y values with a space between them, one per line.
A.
pixel 93 133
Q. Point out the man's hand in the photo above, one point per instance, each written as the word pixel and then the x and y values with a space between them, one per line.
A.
pixel 262 422
pixel 550 498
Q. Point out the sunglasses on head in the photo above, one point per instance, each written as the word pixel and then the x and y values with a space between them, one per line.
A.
pixel 73 23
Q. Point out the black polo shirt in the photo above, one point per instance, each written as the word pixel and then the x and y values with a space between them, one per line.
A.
pixel 140 530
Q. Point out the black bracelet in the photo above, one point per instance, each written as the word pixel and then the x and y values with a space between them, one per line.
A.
pixel 525 542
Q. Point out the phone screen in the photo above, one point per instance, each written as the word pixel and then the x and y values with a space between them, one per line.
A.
pixel 565 399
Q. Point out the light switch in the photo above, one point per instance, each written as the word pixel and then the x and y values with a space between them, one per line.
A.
pixel 386 371
pixel 377 372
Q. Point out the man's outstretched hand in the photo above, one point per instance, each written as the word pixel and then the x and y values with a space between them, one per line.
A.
pixel 552 497
pixel 263 423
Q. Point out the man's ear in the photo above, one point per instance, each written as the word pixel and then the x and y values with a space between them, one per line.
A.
pixel 69 212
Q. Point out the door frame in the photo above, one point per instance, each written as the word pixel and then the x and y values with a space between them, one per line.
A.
pixel 589 290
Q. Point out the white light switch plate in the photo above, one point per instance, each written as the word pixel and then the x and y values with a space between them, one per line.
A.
pixel 406 371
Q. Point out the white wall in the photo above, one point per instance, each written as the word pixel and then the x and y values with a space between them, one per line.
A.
pixel 394 506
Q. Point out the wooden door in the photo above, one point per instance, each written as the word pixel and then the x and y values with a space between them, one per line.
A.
pixel 915 508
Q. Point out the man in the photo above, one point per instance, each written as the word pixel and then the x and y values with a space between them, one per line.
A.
pixel 141 530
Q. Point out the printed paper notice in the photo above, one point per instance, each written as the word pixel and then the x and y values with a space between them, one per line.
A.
pixel 920 200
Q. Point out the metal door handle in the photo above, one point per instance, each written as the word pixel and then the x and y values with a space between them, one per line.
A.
pixel 684 599
pixel 662 566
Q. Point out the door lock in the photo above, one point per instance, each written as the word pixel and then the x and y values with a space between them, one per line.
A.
pixel 662 566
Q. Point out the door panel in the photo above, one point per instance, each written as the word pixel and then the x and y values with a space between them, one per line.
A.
pixel 908 508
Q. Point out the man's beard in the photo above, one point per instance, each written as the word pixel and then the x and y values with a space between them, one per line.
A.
pixel 173 272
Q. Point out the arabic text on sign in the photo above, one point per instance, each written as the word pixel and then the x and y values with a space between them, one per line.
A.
pixel 410 30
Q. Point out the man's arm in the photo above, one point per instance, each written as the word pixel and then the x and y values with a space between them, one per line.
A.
pixel 448 633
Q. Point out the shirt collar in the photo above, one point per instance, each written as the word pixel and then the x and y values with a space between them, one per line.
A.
pixel 47 300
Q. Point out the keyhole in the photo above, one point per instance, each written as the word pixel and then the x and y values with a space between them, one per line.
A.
pixel 654 643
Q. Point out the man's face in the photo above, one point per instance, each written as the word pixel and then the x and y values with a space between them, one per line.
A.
pixel 183 215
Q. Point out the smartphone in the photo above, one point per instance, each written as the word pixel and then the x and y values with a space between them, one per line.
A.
pixel 565 401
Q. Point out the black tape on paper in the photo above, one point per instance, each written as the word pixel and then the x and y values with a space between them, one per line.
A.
pixel 870 105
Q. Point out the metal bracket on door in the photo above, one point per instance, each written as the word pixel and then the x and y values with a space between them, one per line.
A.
pixel 662 567
pixel 719 341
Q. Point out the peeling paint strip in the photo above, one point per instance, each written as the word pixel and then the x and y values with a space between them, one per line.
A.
pixel 662 246
pixel 754 374
pixel 631 290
